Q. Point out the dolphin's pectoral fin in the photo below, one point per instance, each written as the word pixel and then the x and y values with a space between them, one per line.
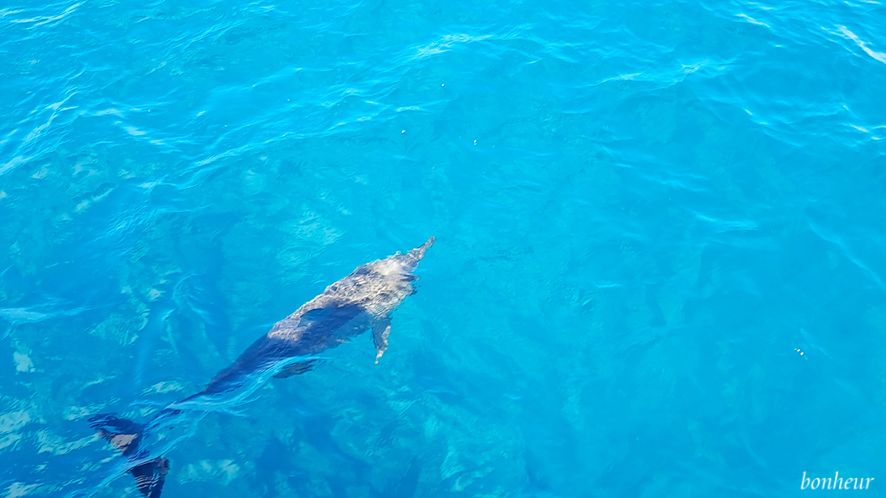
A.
pixel 296 369
pixel 124 435
pixel 380 332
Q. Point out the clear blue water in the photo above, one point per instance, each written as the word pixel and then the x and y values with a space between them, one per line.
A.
pixel 644 211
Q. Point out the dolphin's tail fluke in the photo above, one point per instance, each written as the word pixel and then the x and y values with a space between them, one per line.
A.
pixel 124 435
pixel 149 476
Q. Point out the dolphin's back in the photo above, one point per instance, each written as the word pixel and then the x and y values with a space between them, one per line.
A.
pixel 309 333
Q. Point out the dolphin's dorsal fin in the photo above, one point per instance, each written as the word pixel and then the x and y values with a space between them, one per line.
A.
pixel 314 315
pixel 381 329
pixel 296 369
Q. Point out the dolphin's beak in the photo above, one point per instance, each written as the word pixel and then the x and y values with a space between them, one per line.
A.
pixel 419 252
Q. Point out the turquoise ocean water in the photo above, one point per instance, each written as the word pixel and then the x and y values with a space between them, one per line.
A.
pixel 645 212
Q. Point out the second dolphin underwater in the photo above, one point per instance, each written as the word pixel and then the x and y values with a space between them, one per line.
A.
pixel 359 302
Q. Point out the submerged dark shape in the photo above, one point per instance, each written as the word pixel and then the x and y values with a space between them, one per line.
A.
pixel 359 302
pixel 124 435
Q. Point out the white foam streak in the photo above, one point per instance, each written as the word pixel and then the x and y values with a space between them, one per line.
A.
pixel 880 56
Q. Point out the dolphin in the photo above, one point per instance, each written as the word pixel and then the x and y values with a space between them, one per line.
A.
pixel 362 301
